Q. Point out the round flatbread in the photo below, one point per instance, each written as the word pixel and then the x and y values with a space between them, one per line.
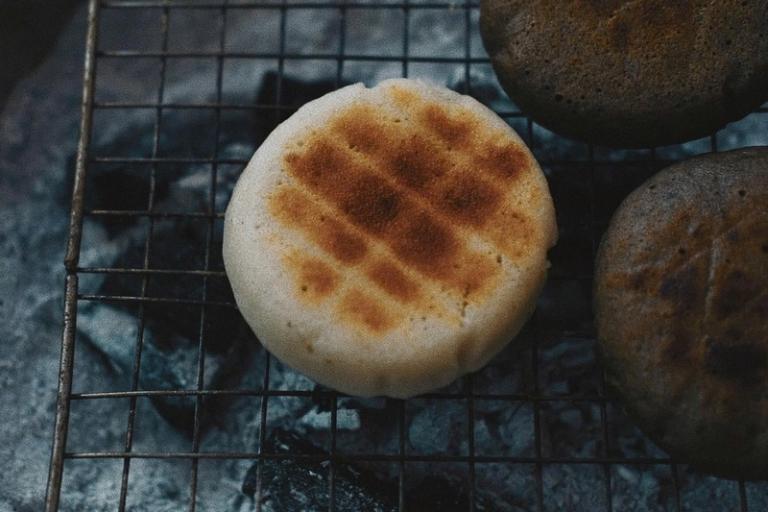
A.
pixel 385 241
pixel 630 73
pixel 681 304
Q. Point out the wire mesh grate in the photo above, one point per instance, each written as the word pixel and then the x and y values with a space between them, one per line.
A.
pixel 583 166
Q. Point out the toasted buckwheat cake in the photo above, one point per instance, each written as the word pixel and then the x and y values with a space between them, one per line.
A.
pixel 630 73
pixel 681 304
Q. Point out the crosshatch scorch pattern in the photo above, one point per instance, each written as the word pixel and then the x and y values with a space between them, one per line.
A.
pixel 530 431
pixel 406 206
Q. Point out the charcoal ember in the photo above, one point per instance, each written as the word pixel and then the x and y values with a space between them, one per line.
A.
pixel 282 377
pixel 123 189
pixel 445 487
pixel 569 367
pixel 28 31
pixel 371 424
pixel 504 427
pixel 448 417
pixel 439 493
pixel 700 491
pixel 114 333
pixel 625 439
pixel 160 370
pixel 317 418
pixel 574 487
pixel 505 488
pixel 643 488
pixel 757 495
pixel 571 429
pixel 302 485
pixel 114 185
pixel 170 349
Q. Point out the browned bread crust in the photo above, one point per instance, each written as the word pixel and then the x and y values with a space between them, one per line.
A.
pixel 385 241
pixel 681 305
pixel 630 73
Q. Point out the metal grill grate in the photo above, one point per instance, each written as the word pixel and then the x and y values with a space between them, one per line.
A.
pixel 591 167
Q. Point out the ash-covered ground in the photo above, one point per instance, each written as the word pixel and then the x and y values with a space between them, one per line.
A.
pixel 38 130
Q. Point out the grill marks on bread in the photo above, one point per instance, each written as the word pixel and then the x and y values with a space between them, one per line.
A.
pixel 358 308
pixel 371 204
pixel 401 195
pixel 295 208
pixel 450 161
pixel 315 280
pixel 701 273
pixel 393 281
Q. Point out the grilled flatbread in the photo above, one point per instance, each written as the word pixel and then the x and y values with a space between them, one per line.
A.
pixel 385 241
pixel 681 305
pixel 630 73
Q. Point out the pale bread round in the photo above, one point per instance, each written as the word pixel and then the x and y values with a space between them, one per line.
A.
pixel 302 280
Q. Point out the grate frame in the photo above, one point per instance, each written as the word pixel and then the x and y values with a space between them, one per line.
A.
pixel 73 295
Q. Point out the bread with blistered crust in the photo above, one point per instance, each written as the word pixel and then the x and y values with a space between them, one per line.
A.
pixel 630 73
pixel 385 241
pixel 681 305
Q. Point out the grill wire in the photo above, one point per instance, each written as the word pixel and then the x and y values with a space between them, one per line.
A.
pixel 536 398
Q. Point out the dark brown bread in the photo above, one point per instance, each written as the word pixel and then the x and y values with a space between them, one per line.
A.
pixel 681 305
pixel 630 73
